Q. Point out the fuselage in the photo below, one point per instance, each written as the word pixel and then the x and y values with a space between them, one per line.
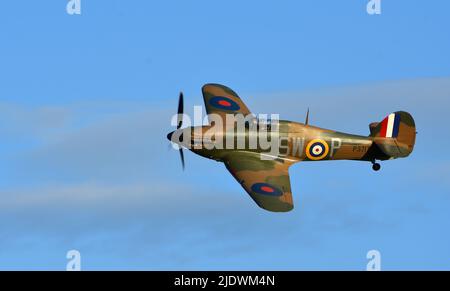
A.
pixel 290 141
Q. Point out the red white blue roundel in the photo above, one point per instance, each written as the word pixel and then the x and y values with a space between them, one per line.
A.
pixel 266 189
pixel 317 149
pixel 224 103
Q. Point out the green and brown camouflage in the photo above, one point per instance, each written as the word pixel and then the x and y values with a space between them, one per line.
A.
pixel 263 172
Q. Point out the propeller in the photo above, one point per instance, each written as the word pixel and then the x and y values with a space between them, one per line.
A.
pixel 179 124
pixel 181 157
pixel 180 110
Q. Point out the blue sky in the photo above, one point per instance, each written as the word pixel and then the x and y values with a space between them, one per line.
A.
pixel 86 102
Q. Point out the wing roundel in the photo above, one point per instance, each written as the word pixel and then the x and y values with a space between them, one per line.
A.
pixel 266 181
pixel 221 100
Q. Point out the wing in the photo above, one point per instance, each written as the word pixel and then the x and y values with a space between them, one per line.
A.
pixel 266 181
pixel 221 100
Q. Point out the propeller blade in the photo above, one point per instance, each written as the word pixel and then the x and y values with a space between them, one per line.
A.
pixel 179 124
pixel 182 157
pixel 180 110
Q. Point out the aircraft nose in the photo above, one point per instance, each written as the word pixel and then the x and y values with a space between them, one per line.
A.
pixel 178 138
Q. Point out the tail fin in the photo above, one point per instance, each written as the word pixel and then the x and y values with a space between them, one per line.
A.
pixel 395 135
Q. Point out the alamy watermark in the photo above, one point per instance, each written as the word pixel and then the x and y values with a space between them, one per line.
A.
pixel 374 257
pixel 74 260
pixel 373 7
pixel 229 131
pixel 73 7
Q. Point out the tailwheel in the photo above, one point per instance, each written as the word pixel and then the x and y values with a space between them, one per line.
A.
pixel 376 166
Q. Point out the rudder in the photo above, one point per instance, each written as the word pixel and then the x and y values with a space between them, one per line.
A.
pixel 395 135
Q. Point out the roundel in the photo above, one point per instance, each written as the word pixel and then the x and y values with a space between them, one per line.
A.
pixel 225 103
pixel 266 189
pixel 317 149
